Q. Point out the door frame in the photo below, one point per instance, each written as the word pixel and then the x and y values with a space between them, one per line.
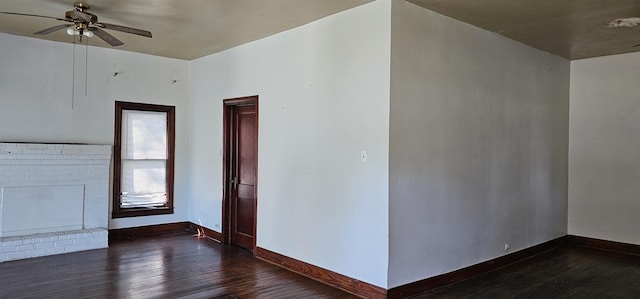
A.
pixel 228 108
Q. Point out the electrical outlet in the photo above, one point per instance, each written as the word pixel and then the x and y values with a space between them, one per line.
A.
pixel 507 246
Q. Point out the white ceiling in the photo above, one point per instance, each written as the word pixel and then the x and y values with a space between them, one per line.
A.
pixel 183 29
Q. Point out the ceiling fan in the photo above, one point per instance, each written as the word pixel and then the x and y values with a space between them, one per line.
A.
pixel 84 23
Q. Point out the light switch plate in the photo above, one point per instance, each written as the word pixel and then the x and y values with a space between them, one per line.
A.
pixel 363 156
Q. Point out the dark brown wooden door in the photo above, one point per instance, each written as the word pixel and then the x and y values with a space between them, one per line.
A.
pixel 242 140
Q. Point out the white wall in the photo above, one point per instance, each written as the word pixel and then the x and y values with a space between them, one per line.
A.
pixel 324 97
pixel 478 145
pixel 37 103
pixel 604 159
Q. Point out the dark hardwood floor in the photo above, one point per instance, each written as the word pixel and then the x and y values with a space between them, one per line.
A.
pixel 565 272
pixel 182 266
pixel 175 266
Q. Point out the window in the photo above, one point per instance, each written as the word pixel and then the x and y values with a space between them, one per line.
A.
pixel 144 152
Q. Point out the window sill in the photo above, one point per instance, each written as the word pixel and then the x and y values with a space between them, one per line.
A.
pixel 135 212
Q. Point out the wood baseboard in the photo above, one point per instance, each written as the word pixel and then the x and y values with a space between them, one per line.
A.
pixel 424 285
pixel 604 245
pixel 132 233
pixel 209 233
pixel 353 286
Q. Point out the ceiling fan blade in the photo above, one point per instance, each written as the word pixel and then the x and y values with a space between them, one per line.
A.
pixel 30 15
pixel 54 28
pixel 110 39
pixel 124 29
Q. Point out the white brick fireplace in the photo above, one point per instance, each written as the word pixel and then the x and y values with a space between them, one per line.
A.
pixel 53 198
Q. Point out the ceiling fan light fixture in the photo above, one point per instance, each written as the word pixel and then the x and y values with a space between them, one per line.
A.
pixel 84 23
pixel 72 31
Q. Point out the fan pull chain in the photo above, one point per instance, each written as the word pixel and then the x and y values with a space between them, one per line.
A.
pixel 86 66
pixel 73 77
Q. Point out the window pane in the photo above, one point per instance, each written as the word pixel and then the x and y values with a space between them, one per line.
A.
pixel 144 135
pixel 143 183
